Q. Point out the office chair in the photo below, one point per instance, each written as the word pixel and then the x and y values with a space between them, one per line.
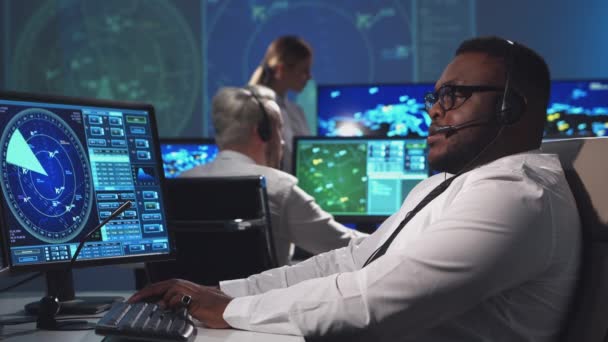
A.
pixel 221 228
pixel 586 165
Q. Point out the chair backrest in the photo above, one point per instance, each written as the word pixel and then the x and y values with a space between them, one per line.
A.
pixel 222 199
pixel 585 161
pixel 221 228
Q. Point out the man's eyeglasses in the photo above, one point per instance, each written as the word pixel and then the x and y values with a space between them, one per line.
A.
pixel 453 96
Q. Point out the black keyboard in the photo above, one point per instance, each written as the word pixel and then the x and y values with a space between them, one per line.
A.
pixel 146 321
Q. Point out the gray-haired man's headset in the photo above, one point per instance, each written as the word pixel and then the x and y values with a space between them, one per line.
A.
pixel 264 126
pixel 510 105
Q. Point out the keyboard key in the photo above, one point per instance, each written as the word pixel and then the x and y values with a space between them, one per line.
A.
pixel 144 318
pixel 115 314
pixel 164 325
pixel 126 322
pixel 177 326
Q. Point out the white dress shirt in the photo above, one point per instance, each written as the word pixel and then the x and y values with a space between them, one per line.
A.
pixel 295 216
pixel 493 258
pixel 294 124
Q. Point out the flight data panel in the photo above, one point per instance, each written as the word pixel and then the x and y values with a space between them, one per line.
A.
pixel 360 176
pixel 67 167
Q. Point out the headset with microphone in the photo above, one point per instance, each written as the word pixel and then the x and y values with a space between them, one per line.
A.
pixel 264 126
pixel 450 129
pixel 510 105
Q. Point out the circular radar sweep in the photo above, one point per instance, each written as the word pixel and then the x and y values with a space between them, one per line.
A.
pixel 113 49
pixel 46 177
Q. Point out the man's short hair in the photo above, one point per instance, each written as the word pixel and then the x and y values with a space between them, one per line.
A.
pixel 235 111
pixel 529 72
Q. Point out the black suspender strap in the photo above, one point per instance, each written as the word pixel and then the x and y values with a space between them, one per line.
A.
pixel 426 200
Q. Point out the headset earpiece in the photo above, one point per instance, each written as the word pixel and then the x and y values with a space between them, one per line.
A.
pixel 264 130
pixel 264 126
pixel 510 108
pixel 511 105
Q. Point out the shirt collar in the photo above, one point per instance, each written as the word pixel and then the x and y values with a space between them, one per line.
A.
pixel 236 156
pixel 501 159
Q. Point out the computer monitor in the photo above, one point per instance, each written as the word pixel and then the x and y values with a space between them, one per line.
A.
pixel 577 109
pixel 360 180
pixel 373 110
pixel 67 164
pixel 182 154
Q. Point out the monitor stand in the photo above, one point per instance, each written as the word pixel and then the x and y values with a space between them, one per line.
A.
pixel 61 285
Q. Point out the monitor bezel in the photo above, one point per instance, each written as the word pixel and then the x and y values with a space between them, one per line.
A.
pixel 587 80
pixel 187 141
pixel 89 102
pixel 381 84
pixel 4 264
pixel 355 219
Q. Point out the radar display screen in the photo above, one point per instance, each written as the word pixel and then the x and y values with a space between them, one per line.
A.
pixel 65 168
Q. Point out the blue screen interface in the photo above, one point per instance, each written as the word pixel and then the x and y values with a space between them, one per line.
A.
pixel 577 109
pixel 373 110
pixel 67 167
pixel 185 155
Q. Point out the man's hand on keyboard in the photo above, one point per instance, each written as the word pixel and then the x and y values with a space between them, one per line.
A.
pixel 206 304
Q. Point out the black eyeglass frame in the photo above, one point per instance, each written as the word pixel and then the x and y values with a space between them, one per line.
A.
pixel 468 90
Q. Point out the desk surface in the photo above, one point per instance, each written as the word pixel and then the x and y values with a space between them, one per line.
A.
pixel 11 305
